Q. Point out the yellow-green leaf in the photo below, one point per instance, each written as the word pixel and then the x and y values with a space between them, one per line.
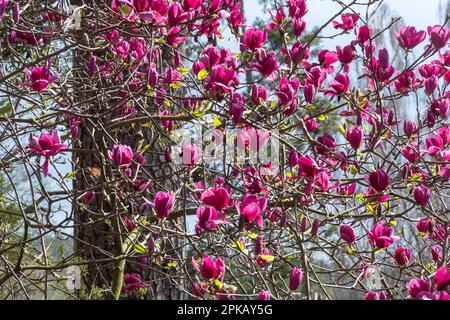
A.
pixel 202 74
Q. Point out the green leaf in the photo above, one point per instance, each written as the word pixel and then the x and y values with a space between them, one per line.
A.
pixel 139 248
pixel 124 9
pixel 217 123
pixel 202 74
pixel 70 175
pixel 6 110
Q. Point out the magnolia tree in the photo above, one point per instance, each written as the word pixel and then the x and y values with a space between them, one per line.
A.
pixel 158 149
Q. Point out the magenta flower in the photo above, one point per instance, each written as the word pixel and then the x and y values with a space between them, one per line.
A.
pixel 442 278
pixel 208 219
pixel 346 55
pixel 190 154
pixel 354 136
pixel 163 204
pixel 410 128
pixel 340 84
pixel 372 295
pixel 307 166
pixel 121 155
pixel 237 107
pixel 349 21
pixel 3 5
pixel 347 233
pixel 259 94
pixel 425 226
pixel 211 268
pixel 420 289
pixel 264 295
pixel 364 33
pixel 439 36
pixel 326 60
pixel 402 256
pixel 218 198
pixel 409 38
pixel 287 90
pixel 381 236
pixel 254 38
pixel 295 278
pixel 297 8
pixel 47 145
pixel 298 26
pixel 422 195
pixel 40 78
pixel 266 64
pixel 434 145
pixel 132 282
pixel 379 180
pixel 251 209
pixel 436 253
pixel 293 158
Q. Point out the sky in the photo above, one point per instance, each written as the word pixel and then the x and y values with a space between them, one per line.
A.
pixel 419 13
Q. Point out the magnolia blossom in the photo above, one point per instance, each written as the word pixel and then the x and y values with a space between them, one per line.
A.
pixel 47 145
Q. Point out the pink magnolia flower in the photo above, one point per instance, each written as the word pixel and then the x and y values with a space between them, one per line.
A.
pixel 311 123
pixel 254 38
pixel 439 36
pixel 47 145
pixel 237 107
pixel 410 128
pixel 436 253
pixel 298 26
pixel 409 38
pixel 218 198
pixel 379 180
pixel 420 289
pixel 40 78
pixel 349 21
pixel 259 94
pixel 211 268
pixel 255 139
pixel 381 236
pixel 307 166
pixel 425 226
pixel 442 278
pixel 190 154
pixel 363 34
pixel 121 155
pixel 372 295
pixel 132 282
pixel 264 295
pixel 3 5
pixel 297 8
pixel 266 64
pixel 295 278
pixel 163 204
pixel 402 256
pixel 251 209
pixel 406 82
pixel 422 195
pixel 346 55
pixel 434 145
pixel 208 219
pixel 326 60
pixel 222 79
pixel 347 233
pixel 354 136
pixel 340 84
pixel 293 158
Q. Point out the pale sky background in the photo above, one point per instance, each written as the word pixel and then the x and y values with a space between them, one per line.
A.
pixel 419 13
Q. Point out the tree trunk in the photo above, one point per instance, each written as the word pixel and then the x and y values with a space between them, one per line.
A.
pixel 98 238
